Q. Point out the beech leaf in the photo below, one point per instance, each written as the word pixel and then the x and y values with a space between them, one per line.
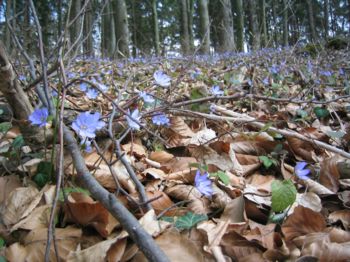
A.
pixel 189 220
pixel 283 195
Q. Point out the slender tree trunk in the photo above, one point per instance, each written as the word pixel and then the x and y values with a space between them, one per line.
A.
pixel 326 18
pixel 274 21
pixel 285 23
pixel 59 18
pixel 89 42
pixel 263 23
pixel 185 37
pixel 238 4
pixel 190 10
pixel 204 26
pixel 7 30
pixel 349 16
pixel 121 28
pixel 226 36
pixel 108 32
pixel 253 25
pixel 313 36
pixel 74 30
pixel 155 27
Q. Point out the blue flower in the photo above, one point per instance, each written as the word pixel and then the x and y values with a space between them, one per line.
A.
pixel 136 116
pixel 54 93
pixel 39 117
pixel 86 145
pixel 266 81
pixel 274 69
pixel 203 183
pixel 341 71
pixel 160 119
pixel 300 170
pixel 103 87
pixel 71 74
pixel 216 91
pixel 325 73
pixel 22 78
pixel 162 79
pixel 146 97
pixel 86 124
pixel 91 93
pixel 83 86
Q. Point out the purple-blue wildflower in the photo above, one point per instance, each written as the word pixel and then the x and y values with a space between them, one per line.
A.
pixel 86 124
pixel 91 93
pixel 300 170
pixel 162 79
pixel 274 69
pixel 266 81
pixel 146 97
pixel 136 116
pixel 203 183
pixel 71 74
pixel 86 145
pixel 160 120
pixel 22 78
pixel 216 91
pixel 326 73
pixel 83 86
pixel 39 117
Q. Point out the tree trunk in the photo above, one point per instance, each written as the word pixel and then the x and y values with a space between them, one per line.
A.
pixel 226 36
pixel 121 28
pixel 263 23
pixel 204 29
pixel 238 4
pixel 108 32
pixel 190 10
pixel 155 27
pixel 88 44
pixel 274 21
pixel 11 89
pixel 74 30
pixel 285 23
pixel 7 30
pixel 185 36
pixel 253 25
pixel 313 36
pixel 325 18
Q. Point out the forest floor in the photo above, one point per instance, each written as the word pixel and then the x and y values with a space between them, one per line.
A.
pixel 243 157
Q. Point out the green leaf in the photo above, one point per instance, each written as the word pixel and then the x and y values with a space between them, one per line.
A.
pixel 2 242
pixel 321 112
pixel 283 195
pixel 267 162
pixel 335 134
pixel 168 219
pixel 1 111
pixel 302 113
pixel 45 167
pixel 196 93
pixel 189 220
pixel 69 190
pixel 41 179
pixel 222 177
pixel 5 126
pixel 2 259
pixel 18 142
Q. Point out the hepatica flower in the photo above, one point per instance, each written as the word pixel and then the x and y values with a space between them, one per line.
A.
pixel 86 124
pixel 216 91
pixel 160 120
pixel 135 115
pixel 203 183
pixel 83 86
pixel 300 170
pixel 146 97
pixel 162 79
pixel 39 117
pixel 91 93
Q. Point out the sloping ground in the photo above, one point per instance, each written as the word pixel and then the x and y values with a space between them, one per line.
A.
pixel 244 157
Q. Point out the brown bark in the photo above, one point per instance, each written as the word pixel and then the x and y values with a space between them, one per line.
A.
pixel 11 89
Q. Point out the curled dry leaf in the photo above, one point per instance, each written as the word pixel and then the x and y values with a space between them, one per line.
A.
pixel 214 232
pixel 137 149
pixel 161 156
pixel 83 210
pixel 329 174
pixel 309 200
pixel 161 202
pixel 303 221
pixel 33 248
pixel 7 185
pixel 177 247
pixel 97 252
pixel 301 149
pixel 340 215
pixel 203 137
pixel 317 188
pixel 20 204
pixel 199 204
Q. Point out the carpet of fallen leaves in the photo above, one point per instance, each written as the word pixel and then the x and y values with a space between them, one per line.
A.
pixel 234 137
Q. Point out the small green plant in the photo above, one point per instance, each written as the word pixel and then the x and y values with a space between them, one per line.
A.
pixel 283 195
pixel 221 176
